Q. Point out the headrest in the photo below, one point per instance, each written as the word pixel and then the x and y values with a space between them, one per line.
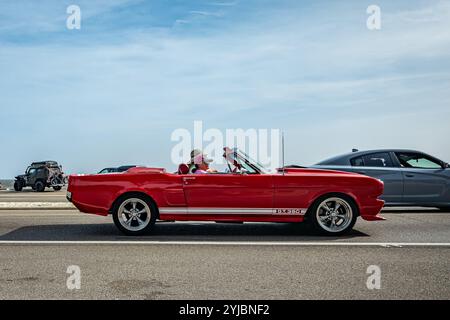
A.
pixel 183 169
pixel 375 163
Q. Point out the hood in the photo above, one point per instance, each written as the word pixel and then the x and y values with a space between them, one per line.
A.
pixel 298 171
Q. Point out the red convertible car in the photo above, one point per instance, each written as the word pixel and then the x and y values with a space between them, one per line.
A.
pixel 330 200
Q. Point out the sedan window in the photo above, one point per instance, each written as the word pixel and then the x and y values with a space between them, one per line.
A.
pixel 379 159
pixel 357 162
pixel 417 160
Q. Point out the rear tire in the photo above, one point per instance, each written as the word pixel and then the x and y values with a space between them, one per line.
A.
pixel 18 186
pixel 333 215
pixel 39 186
pixel 134 215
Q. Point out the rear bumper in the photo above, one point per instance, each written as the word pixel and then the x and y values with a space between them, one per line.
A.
pixel 88 208
pixel 371 210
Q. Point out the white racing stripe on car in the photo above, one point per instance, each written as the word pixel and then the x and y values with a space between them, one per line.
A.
pixel 270 211
pixel 236 243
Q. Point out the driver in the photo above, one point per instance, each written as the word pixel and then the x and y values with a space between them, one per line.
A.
pixel 199 163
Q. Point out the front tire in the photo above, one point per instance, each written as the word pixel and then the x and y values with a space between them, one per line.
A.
pixel 57 188
pixel 18 185
pixel 333 215
pixel 39 186
pixel 134 215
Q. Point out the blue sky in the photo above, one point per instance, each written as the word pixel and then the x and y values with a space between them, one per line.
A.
pixel 112 92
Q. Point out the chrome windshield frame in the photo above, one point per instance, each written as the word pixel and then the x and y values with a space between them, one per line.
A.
pixel 240 157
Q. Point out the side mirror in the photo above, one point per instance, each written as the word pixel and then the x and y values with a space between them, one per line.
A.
pixel 445 165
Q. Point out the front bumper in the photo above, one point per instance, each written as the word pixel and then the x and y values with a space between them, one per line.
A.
pixel 371 211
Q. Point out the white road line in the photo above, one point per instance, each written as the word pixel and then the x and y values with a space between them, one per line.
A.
pixel 235 243
pixel 6 215
pixel 26 195
pixel 36 205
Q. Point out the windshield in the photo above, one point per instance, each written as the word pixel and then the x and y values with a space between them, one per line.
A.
pixel 250 161
pixel 240 160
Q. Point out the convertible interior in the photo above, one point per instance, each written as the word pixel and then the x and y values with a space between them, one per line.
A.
pixel 237 162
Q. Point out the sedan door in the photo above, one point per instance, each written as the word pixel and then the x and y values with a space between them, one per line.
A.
pixel 381 166
pixel 425 180
pixel 228 193
pixel 378 165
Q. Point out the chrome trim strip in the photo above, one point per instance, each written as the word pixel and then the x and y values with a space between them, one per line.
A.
pixel 267 211
pixel 178 210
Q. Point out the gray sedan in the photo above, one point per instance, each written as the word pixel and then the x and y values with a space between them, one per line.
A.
pixel 411 178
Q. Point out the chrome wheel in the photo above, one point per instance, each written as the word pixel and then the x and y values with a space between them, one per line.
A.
pixel 134 214
pixel 334 215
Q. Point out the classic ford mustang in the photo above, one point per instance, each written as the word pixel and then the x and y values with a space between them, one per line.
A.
pixel 330 200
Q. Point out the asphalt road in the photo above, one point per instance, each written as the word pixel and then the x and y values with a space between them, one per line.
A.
pixel 222 272
pixel 193 260
pixel 222 261
pixel 28 195
pixel 70 225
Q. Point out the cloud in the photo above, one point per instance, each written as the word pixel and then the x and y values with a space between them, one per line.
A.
pixel 330 83
pixel 196 15
pixel 206 13
pixel 438 12
pixel 223 4
pixel 29 17
pixel 181 22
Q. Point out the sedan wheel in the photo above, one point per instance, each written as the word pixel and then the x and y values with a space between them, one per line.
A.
pixel 334 215
pixel 134 216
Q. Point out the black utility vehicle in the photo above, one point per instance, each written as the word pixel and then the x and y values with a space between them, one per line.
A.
pixel 41 175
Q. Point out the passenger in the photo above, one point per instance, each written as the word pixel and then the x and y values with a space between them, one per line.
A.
pixel 199 163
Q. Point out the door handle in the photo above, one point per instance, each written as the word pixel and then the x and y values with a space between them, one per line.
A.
pixel 409 175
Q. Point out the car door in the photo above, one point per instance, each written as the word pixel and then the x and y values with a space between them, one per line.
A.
pixel 425 179
pixel 227 193
pixel 31 176
pixel 380 165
